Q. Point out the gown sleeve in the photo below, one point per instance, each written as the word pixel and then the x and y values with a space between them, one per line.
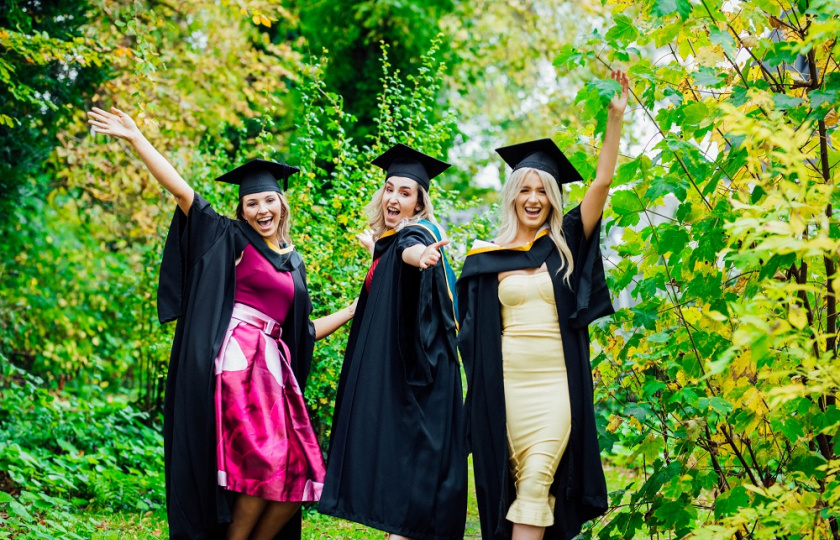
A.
pixel 189 237
pixel 411 236
pixel 300 328
pixel 427 322
pixel 592 297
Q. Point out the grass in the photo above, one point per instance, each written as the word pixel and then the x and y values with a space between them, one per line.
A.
pixel 315 526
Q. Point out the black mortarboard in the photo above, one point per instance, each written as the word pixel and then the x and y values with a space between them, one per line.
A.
pixel 402 160
pixel 259 175
pixel 543 155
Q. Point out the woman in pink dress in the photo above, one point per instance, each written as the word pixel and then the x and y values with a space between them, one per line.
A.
pixel 240 452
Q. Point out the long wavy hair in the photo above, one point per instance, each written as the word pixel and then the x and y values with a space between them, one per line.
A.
pixel 283 238
pixel 376 216
pixel 509 226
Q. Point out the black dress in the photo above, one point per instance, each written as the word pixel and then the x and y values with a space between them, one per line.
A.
pixel 579 485
pixel 197 279
pixel 396 460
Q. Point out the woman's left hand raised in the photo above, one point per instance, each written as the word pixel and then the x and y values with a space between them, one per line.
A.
pixel 431 255
pixel 619 101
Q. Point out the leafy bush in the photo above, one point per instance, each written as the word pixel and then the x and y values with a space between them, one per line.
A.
pixel 63 453
pixel 718 385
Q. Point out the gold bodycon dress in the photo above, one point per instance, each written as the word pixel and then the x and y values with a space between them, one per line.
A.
pixel 536 393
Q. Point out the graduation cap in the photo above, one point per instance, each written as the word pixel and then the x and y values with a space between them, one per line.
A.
pixel 543 155
pixel 259 175
pixel 402 160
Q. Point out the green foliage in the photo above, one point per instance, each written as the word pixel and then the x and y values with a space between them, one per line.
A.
pixel 75 317
pixel 48 69
pixel 61 454
pixel 718 385
pixel 352 32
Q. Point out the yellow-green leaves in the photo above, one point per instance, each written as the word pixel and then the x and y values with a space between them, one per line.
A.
pixel 725 361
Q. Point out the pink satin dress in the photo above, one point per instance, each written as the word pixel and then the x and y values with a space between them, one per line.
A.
pixel 266 446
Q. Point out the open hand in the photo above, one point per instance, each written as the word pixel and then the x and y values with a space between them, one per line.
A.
pixel 366 239
pixel 619 101
pixel 431 255
pixel 116 123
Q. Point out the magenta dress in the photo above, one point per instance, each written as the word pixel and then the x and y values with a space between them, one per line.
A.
pixel 266 446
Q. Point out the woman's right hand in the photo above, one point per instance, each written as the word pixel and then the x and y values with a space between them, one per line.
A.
pixel 120 125
pixel 116 123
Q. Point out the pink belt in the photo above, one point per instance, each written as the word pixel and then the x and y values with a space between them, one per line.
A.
pixel 257 318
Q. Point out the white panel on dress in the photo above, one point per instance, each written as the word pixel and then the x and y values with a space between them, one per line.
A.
pixel 234 359
pixel 272 360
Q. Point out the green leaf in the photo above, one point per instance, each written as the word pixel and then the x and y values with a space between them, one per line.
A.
pixel 568 56
pixel 623 30
pixel 664 8
pixel 672 239
pixel 776 262
pixel 626 172
pixel 606 88
pixel 720 405
pixel 625 202
pixel 722 38
pixel 779 53
pixel 667 33
pixel 708 76
pixel 639 410
pixel 695 113
pixel 731 502
pixel 808 464
pixel 5 497
pixel 67 447
pixel 660 477
pixel 820 97
pixel 17 509
pixel 738 96
pixel 663 185
pixel 791 428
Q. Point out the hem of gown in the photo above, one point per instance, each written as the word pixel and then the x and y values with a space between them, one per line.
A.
pixel 310 493
pixel 390 529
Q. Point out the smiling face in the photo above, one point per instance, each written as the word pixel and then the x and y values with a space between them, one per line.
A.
pixel 531 203
pixel 399 200
pixel 263 211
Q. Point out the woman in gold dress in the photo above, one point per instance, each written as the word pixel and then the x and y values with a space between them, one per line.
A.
pixel 526 301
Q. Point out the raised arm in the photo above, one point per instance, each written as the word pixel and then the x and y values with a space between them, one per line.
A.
pixel 596 196
pixel 121 125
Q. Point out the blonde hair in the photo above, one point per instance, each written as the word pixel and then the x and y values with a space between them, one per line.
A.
pixel 283 227
pixel 376 216
pixel 509 226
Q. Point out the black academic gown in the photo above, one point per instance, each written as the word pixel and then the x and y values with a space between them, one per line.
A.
pixel 197 279
pixel 579 484
pixel 396 459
